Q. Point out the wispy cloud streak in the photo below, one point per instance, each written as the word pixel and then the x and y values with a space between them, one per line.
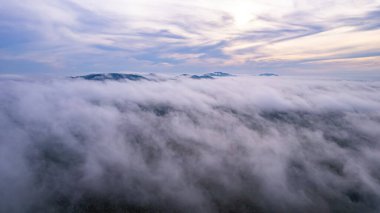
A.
pixel 145 33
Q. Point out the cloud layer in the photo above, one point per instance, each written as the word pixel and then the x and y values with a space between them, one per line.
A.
pixel 242 144
pixel 242 35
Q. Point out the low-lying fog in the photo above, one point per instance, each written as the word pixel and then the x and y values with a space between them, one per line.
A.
pixel 238 144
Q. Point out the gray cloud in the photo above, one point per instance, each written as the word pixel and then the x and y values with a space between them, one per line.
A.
pixel 240 144
pixel 148 36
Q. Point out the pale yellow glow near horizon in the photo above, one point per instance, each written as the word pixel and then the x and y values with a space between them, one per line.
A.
pixel 332 43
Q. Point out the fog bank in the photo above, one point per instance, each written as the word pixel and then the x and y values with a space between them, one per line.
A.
pixel 240 144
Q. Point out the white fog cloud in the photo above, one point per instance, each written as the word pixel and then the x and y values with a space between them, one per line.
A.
pixel 237 144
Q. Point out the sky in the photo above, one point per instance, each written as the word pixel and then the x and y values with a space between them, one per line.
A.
pixel 65 37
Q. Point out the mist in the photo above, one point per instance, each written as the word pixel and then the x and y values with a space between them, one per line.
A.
pixel 239 144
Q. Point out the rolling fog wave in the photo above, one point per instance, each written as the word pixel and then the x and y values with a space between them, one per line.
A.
pixel 242 144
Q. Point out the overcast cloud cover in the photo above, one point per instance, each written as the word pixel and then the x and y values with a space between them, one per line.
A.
pixel 61 37
pixel 240 144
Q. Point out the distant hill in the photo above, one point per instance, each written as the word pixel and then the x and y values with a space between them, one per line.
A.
pixel 219 74
pixel 211 75
pixel 268 74
pixel 149 77
pixel 112 76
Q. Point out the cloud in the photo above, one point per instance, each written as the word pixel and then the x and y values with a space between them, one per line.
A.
pixel 244 33
pixel 236 144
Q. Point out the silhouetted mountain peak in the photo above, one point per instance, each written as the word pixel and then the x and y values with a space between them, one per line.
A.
pixel 268 74
pixel 112 76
